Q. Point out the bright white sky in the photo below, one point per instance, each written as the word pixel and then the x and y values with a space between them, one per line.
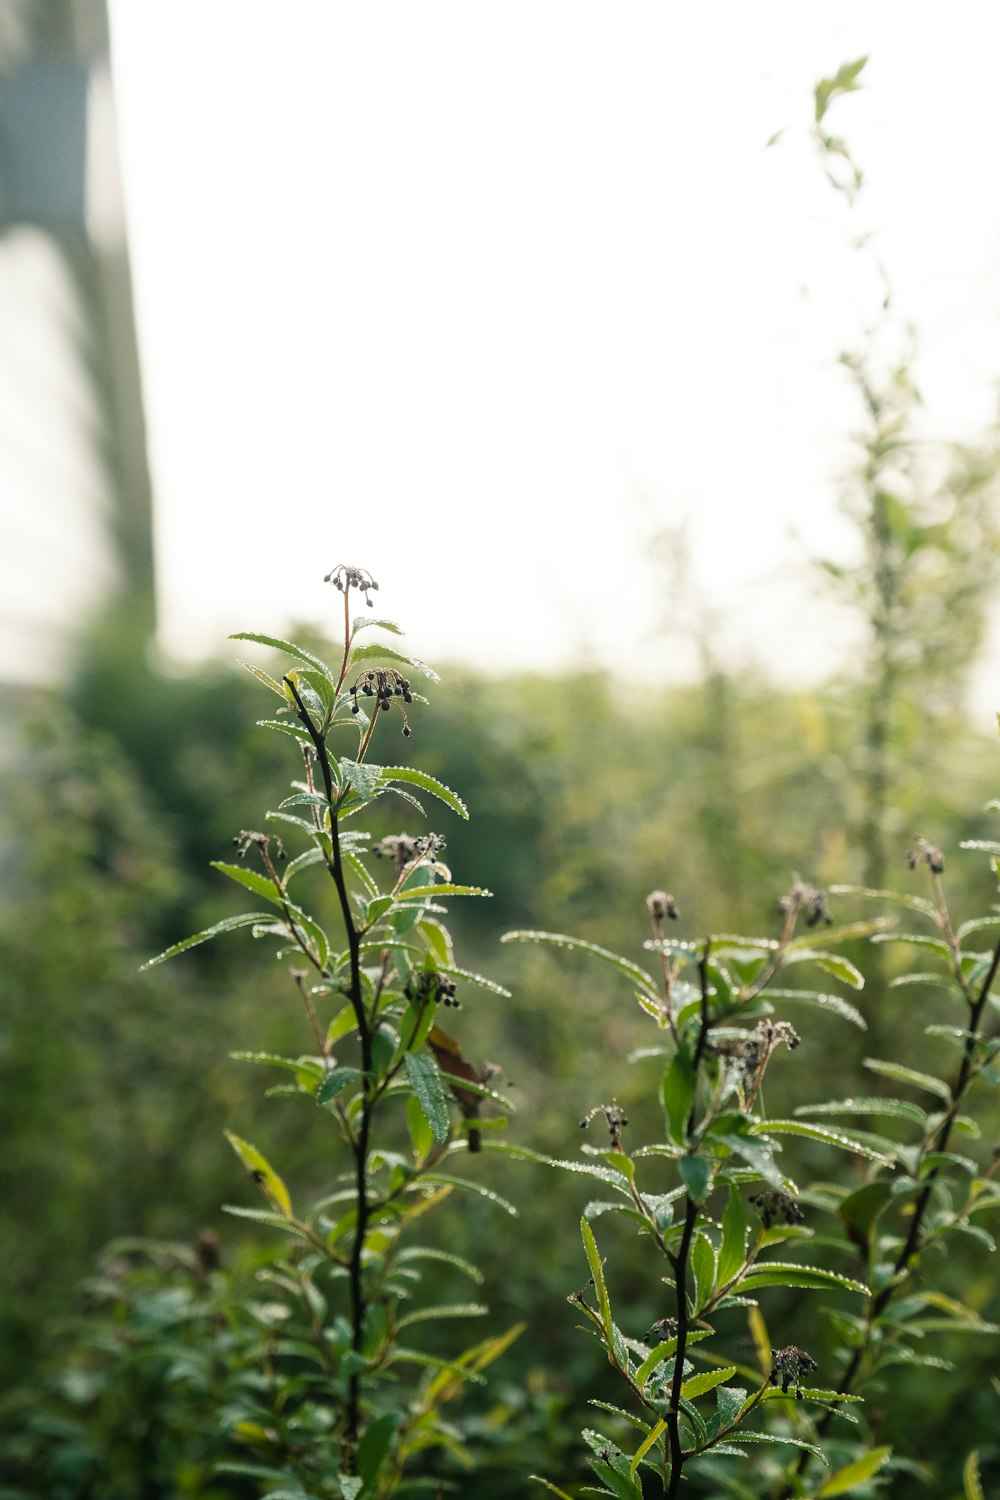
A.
pixel 479 296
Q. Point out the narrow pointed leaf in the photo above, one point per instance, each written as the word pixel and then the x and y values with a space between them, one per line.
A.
pixel 653 1436
pixel 261 1171
pixel 971 1482
pixel 261 885
pixel 597 1274
pixel 577 945
pixel 425 1080
pixel 822 1133
pixel 228 924
pixel 861 1469
pixel 697 1385
pixel 287 647
pixel 785 1273
pixel 900 1074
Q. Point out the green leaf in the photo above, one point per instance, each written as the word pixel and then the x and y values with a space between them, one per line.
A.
pixel 860 1209
pixel 663 1351
pixel 376 1445
pixel 552 1489
pixel 335 1082
pixel 697 1385
pixel 784 1273
pixel 735 1224
pixel 422 892
pixel 377 651
pixel 471 977
pixel 228 924
pixel 446 1310
pixel 835 1004
pixel 391 774
pixel 861 1469
pixel 822 1133
pixel 261 885
pixel 292 727
pixel 900 1074
pixel 915 940
pixel 971 1482
pixel 742 1436
pixel 831 963
pixel 261 1171
pixel 264 677
pixel 471 1186
pixel 425 1080
pixel 597 1276
pixel 899 1108
pixel 678 1096
pixel 288 648
pixel 577 945
pixel 652 1436
pixel 730 1401
pixel 697 1174
pixel 898 898
pixel 702 1269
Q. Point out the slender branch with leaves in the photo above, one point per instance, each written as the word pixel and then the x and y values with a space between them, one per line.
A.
pixel 714 1001
pixel 372 977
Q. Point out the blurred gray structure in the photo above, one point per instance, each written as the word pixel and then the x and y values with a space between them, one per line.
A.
pixel 75 501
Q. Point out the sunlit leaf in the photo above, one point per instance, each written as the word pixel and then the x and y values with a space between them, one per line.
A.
pixel 261 1171
pixel 288 648
pixel 899 1074
pixel 855 1473
pixel 577 945
pixel 425 1080
pixel 228 924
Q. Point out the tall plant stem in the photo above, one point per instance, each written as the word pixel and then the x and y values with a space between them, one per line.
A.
pixel 674 1415
pixel 335 865
pixel 911 1244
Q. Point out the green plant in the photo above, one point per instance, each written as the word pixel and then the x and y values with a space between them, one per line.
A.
pixel 709 1241
pixel 386 1076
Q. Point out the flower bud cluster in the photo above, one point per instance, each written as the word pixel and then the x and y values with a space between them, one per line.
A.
pixel 404 850
pixel 808 899
pixel 430 987
pixel 774 1204
pixel 344 577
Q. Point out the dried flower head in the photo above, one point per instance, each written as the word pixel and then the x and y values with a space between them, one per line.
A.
pixel 791 1366
pixel 405 851
pixel 777 1034
pixel 249 838
pixel 809 900
pixel 744 1051
pixel 661 904
pixel 774 1204
pixel 927 854
pixel 614 1115
pixel 344 576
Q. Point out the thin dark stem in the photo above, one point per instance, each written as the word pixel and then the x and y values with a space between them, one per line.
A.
pixel 674 1414
pixel 365 1033
pixel 911 1245
pixel 681 1261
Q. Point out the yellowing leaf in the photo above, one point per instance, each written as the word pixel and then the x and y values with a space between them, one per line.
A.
pixel 262 1173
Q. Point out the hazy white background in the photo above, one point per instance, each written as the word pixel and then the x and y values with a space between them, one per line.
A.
pixel 480 296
